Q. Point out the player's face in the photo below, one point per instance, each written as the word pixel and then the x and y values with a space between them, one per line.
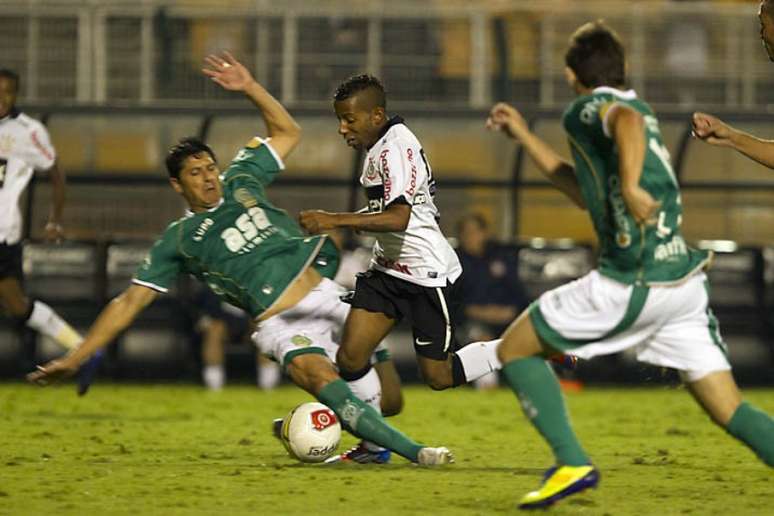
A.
pixel 358 125
pixel 7 95
pixel 767 32
pixel 199 182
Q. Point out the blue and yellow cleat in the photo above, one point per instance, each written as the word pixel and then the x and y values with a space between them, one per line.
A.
pixel 559 482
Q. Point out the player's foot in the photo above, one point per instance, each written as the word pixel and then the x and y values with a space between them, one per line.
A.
pixel 362 455
pixel 88 371
pixel 559 482
pixel 435 456
pixel 276 428
pixel 566 361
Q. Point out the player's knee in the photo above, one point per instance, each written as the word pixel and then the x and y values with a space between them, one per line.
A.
pixel 438 381
pixel 311 372
pixel 391 405
pixel 348 361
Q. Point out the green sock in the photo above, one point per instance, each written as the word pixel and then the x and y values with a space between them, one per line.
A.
pixel 363 421
pixel 541 399
pixel 755 428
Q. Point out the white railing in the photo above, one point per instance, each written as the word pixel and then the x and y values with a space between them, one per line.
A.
pixel 439 53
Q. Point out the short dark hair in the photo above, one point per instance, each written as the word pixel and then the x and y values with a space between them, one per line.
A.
pixel 477 218
pixel 358 83
pixel 179 152
pixel 6 73
pixel 767 8
pixel 596 55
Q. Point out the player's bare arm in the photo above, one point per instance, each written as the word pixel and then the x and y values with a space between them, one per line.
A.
pixel 716 132
pixel 232 75
pixel 113 319
pixel 393 219
pixel 558 170
pixel 627 127
pixel 54 231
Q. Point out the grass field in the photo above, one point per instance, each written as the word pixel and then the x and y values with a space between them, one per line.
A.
pixel 180 450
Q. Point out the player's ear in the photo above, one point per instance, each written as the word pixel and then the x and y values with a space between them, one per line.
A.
pixel 176 186
pixel 378 116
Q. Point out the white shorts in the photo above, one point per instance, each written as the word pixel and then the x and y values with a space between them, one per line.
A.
pixel 314 325
pixel 668 326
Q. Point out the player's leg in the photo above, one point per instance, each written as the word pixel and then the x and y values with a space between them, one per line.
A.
pixel 719 396
pixel 36 315
pixel 214 336
pixel 392 396
pixel 316 374
pixel 363 331
pixel 269 372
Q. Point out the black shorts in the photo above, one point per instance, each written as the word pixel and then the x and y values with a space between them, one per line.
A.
pixel 431 311
pixel 11 261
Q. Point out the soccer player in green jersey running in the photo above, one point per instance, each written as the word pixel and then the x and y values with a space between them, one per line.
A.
pixel 649 292
pixel 254 256
pixel 715 132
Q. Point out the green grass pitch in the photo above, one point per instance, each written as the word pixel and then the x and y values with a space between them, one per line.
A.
pixel 173 449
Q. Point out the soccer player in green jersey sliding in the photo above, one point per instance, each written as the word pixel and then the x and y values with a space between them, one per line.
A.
pixel 254 256
pixel 649 292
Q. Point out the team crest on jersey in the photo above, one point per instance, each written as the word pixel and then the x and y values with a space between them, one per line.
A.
pixel 301 340
pixel 623 240
pixel 371 171
pixel 245 198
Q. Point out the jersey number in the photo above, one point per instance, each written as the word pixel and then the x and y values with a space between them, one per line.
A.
pixel 247 227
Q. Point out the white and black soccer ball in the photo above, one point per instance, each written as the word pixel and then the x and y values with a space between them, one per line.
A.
pixel 311 432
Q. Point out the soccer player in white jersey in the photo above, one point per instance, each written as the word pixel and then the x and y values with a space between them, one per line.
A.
pixel 25 148
pixel 715 132
pixel 414 270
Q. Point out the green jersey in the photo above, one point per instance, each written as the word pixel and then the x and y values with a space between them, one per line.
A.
pixel 245 249
pixel 629 252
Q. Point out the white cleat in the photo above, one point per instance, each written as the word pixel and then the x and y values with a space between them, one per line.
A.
pixel 435 456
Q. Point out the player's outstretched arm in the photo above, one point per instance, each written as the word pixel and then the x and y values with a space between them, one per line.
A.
pixel 113 319
pixel 559 171
pixel 232 75
pixel 716 132
pixel 627 127
pixel 394 219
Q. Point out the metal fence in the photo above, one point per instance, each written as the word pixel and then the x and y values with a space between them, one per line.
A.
pixel 443 53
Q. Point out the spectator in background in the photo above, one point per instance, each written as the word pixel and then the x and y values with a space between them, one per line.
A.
pixel 491 293
pixel 219 324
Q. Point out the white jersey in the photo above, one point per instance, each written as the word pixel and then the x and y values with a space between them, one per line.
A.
pixel 24 147
pixel 396 170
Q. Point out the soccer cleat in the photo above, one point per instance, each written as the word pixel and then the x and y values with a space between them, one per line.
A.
pixel 276 428
pixel 362 455
pixel 435 456
pixel 559 482
pixel 88 371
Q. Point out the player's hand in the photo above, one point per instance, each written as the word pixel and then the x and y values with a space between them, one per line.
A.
pixel 53 232
pixel 506 118
pixel 53 371
pixel 316 221
pixel 226 71
pixel 711 129
pixel 642 205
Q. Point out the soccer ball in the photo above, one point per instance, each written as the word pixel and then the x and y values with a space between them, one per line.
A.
pixel 311 432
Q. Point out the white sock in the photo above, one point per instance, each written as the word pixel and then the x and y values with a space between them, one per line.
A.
pixel 369 390
pixel 268 375
pixel 214 377
pixel 479 359
pixel 44 320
